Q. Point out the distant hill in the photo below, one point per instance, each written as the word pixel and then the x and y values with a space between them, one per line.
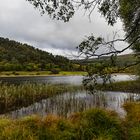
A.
pixel 121 59
pixel 15 56
pixel 18 56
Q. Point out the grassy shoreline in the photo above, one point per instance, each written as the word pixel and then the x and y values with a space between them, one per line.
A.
pixel 123 86
pixel 40 73
pixel 13 97
pixel 46 73
pixel 94 124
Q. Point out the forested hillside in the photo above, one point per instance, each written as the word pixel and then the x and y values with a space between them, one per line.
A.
pixel 120 61
pixel 17 56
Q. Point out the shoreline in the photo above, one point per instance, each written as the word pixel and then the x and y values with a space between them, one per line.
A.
pixel 131 86
pixel 41 73
pixel 6 74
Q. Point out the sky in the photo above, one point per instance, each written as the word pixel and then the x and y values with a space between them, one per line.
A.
pixel 20 21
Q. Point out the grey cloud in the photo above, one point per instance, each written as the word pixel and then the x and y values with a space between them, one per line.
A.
pixel 21 22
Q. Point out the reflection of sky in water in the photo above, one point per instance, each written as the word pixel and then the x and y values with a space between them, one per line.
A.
pixel 67 103
pixel 76 80
pixel 123 77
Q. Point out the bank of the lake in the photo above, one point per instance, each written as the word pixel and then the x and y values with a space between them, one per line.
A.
pixel 13 97
pixel 97 124
pixel 132 86
pixel 39 73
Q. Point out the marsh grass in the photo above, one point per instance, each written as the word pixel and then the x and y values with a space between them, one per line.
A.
pixel 132 120
pixel 94 124
pixel 40 73
pixel 124 86
pixel 15 96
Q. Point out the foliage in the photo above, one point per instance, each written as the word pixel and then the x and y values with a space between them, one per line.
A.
pixel 127 10
pixel 55 71
pixel 65 9
pixel 130 14
pixel 97 124
pixel 132 121
pixel 124 86
pixel 15 56
pixel 92 124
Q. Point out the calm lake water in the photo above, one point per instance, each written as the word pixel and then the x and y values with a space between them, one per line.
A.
pixel 76 80
pixel 67 103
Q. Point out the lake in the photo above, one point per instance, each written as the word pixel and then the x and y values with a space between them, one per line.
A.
pixel 68 103
pixel 76 80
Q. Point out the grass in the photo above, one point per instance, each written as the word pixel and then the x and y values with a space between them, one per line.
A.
pixel 39 73
pixel 132 120
pixel 94 124
pixel 15 96
pixel 123 86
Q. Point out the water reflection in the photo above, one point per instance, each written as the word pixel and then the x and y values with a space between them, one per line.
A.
pixel 65 104
pixel 76 80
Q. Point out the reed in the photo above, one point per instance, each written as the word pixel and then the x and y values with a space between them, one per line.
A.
pixel 15 96
pixel 124 86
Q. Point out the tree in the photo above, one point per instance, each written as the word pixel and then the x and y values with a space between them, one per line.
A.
pixel 127 10
pixel 130 14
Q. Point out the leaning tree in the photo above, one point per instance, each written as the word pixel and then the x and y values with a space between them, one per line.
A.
pixel 127 10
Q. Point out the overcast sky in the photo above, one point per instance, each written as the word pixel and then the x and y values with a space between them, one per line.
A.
pixel 21 22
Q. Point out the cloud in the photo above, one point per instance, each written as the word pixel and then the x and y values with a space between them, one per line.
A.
pixel 20 21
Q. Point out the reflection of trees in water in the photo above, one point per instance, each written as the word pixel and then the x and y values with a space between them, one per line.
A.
pixel 66 104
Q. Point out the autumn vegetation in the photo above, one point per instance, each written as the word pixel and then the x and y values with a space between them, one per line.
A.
pixel 13 97
pixel 94 124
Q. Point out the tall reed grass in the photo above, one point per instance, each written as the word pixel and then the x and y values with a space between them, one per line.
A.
pixel 125 86
pixel 15 96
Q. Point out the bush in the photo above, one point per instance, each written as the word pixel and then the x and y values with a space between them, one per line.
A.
pixel 55 71
pixel 15 73
pixel 89 125
pixel 37 73
pixel 97 123
pixel 132 120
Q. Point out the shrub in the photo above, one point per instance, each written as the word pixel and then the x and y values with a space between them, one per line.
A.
pixel 37 73
pixel 98 123
pixel 132 120
pixel 15 73
pixel 55 71
pixel 93 124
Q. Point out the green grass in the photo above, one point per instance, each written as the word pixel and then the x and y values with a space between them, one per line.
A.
pixel 94 124
pixel 16 96
pixel 123 86
pixel 132 121
pixel 40 73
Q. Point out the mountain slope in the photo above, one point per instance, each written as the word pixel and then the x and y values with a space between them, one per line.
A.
pixel 18 56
